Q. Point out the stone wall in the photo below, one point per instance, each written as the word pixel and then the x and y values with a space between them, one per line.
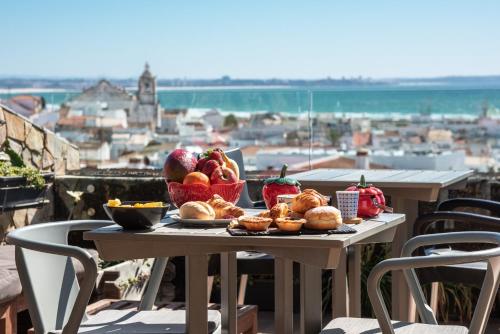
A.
pixel 41 149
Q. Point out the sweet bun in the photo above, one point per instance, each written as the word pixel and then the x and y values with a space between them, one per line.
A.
pixel 307 200
pixel 323 218
pixel 196 210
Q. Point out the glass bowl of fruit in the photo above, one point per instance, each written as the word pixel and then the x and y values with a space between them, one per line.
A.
pixel 197 179
pixel 135 215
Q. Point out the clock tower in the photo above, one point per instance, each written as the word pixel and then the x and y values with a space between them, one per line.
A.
pixel 147 87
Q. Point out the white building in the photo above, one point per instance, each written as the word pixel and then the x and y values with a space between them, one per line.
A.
pixel 92 153
pixel 447 160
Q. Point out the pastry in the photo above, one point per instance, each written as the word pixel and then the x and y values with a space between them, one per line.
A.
pixel 223 208
pixel 295 215
pixel 323 218
pixel 280 210
pixel 307 200
pixel 265 214
pixel 254 223
pixel 289 224
pixel 196 210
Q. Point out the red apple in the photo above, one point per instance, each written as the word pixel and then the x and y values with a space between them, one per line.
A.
pixel 223 175
pixel 215 155
pixel 200 164
pixel 209 167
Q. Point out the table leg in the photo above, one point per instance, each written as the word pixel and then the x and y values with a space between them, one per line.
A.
pixel 340 293
pixel 403 306
pixel 311 308
pixel 196 294
pixel 149 297
pixel 283 296
pixel 228 293
pixel 354 275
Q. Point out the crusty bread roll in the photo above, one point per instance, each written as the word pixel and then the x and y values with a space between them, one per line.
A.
pixel 196 210
pixel 323 218
pixel 307 200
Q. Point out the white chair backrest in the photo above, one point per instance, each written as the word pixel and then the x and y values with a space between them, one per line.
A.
pixel 48 278
pixel 245 201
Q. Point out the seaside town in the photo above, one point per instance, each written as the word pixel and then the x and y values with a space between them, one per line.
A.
pixel 264 167
pixel 118 128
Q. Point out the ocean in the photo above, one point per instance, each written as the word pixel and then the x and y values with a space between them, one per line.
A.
pixel 367 100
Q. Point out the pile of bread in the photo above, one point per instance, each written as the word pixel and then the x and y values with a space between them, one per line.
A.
pixel 214 208
pixel 309 209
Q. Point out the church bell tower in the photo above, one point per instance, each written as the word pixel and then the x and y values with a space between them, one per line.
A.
pixel 147 87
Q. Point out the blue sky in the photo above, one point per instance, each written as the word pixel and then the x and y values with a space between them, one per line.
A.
pixel 250 39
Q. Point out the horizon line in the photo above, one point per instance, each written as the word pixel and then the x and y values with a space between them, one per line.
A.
pixel 358 77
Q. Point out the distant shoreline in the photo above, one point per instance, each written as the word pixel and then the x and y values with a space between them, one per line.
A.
pixel 35 90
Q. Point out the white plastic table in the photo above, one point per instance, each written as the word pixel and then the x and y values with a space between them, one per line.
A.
pixel 313 252
pixel 406 188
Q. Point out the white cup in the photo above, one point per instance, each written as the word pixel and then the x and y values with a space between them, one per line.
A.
pixel 347 202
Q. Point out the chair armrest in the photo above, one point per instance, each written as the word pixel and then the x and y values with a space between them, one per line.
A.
pixel 423 222
pixel 408 264
pixel 449 205
pixel 451 238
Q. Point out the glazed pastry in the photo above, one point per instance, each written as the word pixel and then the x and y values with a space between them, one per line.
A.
pixel 223 208
pixel 280 210
pixel 307 200
pixel 196 210
pixel 323 218
pixel 254 223
pixel 290 224
pixel 322 199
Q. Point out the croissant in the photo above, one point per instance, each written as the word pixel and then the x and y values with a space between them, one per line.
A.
pixel 308 199
pixel 323 200
pixel 223 208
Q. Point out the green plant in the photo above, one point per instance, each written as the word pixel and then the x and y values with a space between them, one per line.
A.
pixel 334 136
pixel 33 176
pixel 231 121
pixel 15 159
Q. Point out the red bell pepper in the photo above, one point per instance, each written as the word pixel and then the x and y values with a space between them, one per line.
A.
pixel 279 186
pixel 371 199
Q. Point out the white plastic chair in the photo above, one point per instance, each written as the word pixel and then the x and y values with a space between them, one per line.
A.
pixel 408 263
pixel 57 302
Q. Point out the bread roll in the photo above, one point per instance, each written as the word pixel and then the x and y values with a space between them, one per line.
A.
pixel 307 200
pixel 196 210
pixel 323 218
